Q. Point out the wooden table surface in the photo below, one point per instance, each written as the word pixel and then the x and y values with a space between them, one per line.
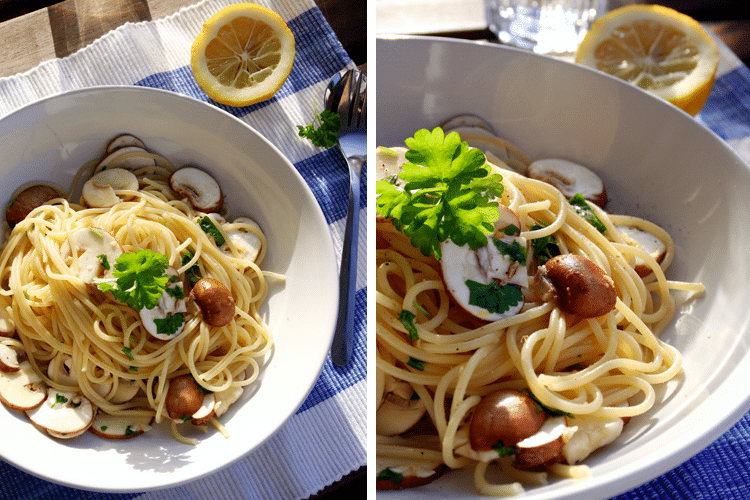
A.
pixel 32 31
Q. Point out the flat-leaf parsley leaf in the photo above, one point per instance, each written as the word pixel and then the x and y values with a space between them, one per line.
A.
pixel 447 194
pixel 141 278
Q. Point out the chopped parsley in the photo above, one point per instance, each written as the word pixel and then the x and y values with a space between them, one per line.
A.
pixel 415 363
pixel 495 298
pixel 513 250
pixel 59 398
pixel 170 324
pixel 324 129
pixel 388 475
pixel 128 352
pixel 193 273
pixel 583 209
pixel 105 262
pixel 130 432
pixel 545 247
pixel 504 451
pixel 407 319
pixel 208 226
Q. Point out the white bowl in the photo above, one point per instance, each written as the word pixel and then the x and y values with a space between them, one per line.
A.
pixel 657 162
pixel 50 139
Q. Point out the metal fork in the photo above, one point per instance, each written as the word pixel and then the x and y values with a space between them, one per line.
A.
pixel 347 95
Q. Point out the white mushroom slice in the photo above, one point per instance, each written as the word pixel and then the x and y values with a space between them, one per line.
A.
pixel 84 248
pixel 484 266
pixel 60 370
pixel 167 306
pixel 63 414
pixel 99 191
pixel 23 389
pixel 8 359
pixel 7 325
pixel 591 433
pixel 466 121
pixel 389 163
pixel 647 242
pixel 126 390
pixel 197 186
pixel 570 178
pixel 245 243
pixel 206 411
pixel 124 140
pixel 397 415
pixel 128 157
pixel 545 446
pixel 413 473
pixel 120 427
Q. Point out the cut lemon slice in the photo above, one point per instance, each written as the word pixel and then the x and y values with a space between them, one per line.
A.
pixel 657 49
pixel 243 55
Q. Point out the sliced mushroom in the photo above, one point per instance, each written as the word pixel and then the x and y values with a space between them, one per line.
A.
pixel 570 178
pixel 60 370
pixel 215 301
pixel 647 242
pixel 99 191
pixel 124 140
pixel 466 121
pixel 402 474
pixel 128 157
pixel 199 187
pixel 27 200
pixel 591 433
pixel 206 412
pixel 8 359
pixel 545 447
pixel 120 427
pixel 184 398
pixel 389 163
pixel 241 242
pixel 7 325
pixel 126 390
pixel 506 416
pixel 168 306
pixel 491 264
pixel 63 414
pixel 23 389
pixel 397 415
pixel 576 285
pixel 87 245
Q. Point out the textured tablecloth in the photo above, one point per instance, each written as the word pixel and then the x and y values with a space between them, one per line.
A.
pixel 722 470
pixel 326 438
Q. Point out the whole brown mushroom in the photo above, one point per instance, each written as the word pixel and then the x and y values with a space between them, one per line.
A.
pixel 27 200
pixel 184 397
pixel 215 301
pixel 505 415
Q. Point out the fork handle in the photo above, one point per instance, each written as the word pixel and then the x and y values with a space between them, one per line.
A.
pixel 343 337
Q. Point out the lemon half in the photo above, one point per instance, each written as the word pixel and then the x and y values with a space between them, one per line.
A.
pixel 243 55
pixel 657 49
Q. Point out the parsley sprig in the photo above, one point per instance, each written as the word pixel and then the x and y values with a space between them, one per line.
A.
pixel 141 278
pixel 447 194
pixel 324 129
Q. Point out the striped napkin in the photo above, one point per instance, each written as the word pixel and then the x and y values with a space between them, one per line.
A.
pixel 326 438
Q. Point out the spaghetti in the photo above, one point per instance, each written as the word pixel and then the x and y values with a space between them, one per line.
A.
pixel 589 375
pixel 80 339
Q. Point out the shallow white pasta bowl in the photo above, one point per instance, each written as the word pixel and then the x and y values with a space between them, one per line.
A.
pixel 657 163
pixel 50 139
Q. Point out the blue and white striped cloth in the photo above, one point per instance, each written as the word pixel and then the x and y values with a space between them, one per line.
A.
pixel 327 438
pixel 722 470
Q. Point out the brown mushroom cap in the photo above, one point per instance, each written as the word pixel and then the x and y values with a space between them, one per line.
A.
pixel 215 301
pixel 543 448
pixel 577 286
pixel 27 200
pixel 505 415
pixel 184 397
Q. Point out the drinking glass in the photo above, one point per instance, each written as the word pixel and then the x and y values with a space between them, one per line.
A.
pixel 544 26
